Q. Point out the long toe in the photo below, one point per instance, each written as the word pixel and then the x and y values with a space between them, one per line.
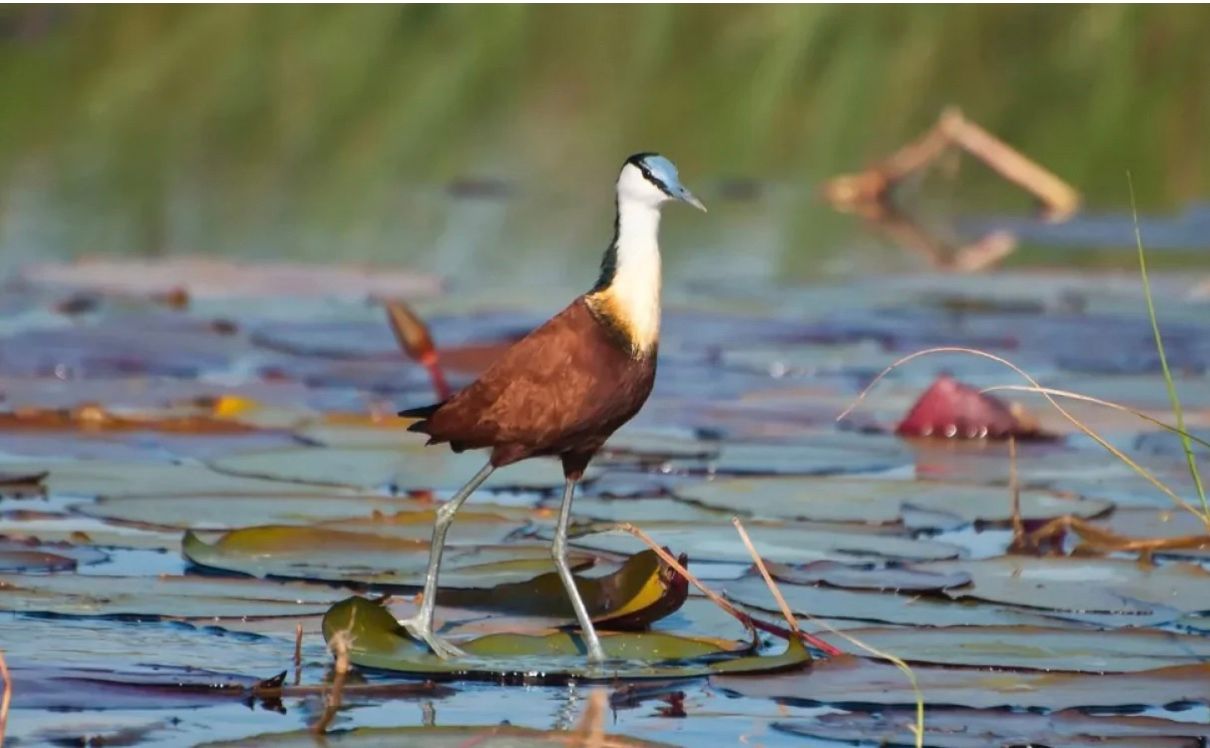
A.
pixel 423 630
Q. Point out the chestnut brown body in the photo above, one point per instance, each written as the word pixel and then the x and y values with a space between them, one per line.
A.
pixel 560 391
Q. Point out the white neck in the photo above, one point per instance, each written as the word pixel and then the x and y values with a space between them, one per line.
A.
pixel 632 297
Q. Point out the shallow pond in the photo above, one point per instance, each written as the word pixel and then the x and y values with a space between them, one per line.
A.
pixel 188 481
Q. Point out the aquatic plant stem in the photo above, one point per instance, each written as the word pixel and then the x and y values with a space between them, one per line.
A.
pixel 1177 410
pixel 918 728
pixel 1142 471
pixel 1014 490
pixel 7 698
pixel 748 621
pixel 1095 401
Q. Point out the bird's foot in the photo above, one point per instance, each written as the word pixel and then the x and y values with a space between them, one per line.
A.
pixel 422 628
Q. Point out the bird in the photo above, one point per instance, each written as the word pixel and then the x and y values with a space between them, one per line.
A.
pixel 564 388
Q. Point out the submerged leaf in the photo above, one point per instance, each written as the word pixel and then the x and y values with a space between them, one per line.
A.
pixel 377 641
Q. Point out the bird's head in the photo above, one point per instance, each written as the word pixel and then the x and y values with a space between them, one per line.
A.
pixel 650 179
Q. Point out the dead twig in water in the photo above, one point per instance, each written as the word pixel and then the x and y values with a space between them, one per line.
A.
pixel 1099 540
pixel 872 187
pixel 1014 490
pixel 340 643
pixel 918 728
pixel 297 653
pixel 748 621
pixel 592 722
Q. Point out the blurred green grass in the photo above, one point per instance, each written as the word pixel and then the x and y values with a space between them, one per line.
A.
pixel 315 130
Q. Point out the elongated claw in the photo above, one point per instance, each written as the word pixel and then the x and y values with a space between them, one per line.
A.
pixel 422 629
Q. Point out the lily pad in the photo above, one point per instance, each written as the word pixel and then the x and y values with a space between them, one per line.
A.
pixel 894 578
pixel 175 597
pixel 497 736
pixel 335 555
pixel 642 591
pixel 377 641
pixel 223 511
pixel 844 681
pixel 33 555
pixel 879 607
pixel 92 478
pixel 1079 587
pixel 965 728
pixel 790 543
pixel 831 454
pixel 1035 648
pixel 410 467
pixel 878 501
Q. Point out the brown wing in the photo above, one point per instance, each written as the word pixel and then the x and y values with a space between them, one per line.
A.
pixel 549 392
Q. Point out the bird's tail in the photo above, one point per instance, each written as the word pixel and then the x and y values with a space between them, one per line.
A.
pixel 422 413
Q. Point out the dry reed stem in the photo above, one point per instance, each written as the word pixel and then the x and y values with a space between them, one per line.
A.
pixel 918 728
pixel 1014 489
pixel 7 698
pixel 1144 472
pixel 341 642
pixel 298 632
pixel 1067 394
pixel 748 621
pixel 592 722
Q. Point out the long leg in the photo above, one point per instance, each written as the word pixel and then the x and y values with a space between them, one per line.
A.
pixel 559 551
pixel 421 624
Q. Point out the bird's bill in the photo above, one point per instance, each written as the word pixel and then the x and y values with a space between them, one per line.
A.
pixel 686 196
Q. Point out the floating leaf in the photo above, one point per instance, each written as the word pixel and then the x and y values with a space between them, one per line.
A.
pixel 379 642
pixel 851 680
pixel 408 467
pixel 34 555
pixel 22 485
pixel 497 736
pixel 1082 587
pixel 176 597
pixel 642 591
pixel 965 728
pixel 92 478
pixel 867 577
pixel 1035 647
pixel 791 543
pixel 335 555
pixel 878 501
pixel 828 603
pixel 833 454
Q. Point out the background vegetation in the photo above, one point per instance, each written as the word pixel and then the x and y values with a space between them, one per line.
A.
pixel 334 132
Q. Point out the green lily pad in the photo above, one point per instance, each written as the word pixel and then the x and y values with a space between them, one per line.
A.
pixel 407 466
pixel 1102 589
pixel 855 680
pixel 790 543
pixel 1035 647
pixel 336 555
pixel 377 641
pixel 497 736
pixel 878 501
pixel 176 597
